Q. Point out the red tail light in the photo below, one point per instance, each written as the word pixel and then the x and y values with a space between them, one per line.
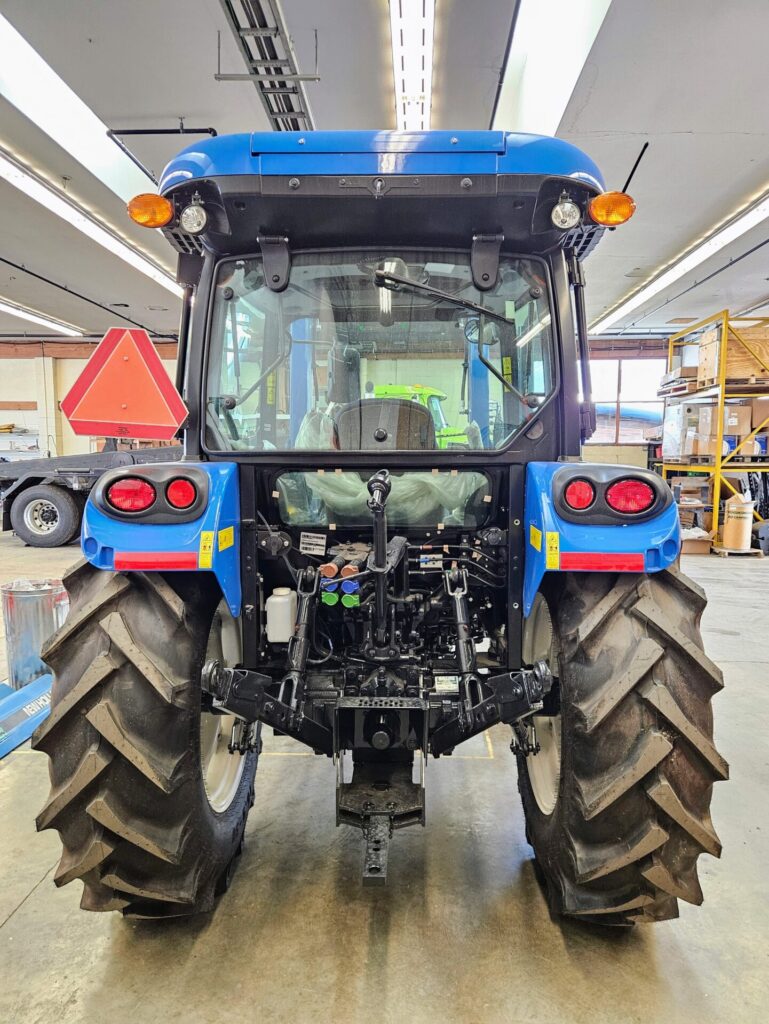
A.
pixel 131 494
pixel 630 496
pixel 181 493
pixel 579 495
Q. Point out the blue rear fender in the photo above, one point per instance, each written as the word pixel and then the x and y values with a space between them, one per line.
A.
pixel 209 542
pixel 643 543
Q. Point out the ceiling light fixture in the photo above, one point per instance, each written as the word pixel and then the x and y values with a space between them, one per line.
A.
pixel 37 318
pixel 683 265
pixel 412 25
pixel 56 203
pixel 540 74
pixel 29 83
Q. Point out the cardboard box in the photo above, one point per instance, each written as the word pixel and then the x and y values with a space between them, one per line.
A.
pixel 759 412
pixel 680 373
pixel 696 546
pixel 679 430
pixel 736 420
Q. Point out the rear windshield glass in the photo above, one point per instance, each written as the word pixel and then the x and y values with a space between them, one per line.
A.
pixel 359 353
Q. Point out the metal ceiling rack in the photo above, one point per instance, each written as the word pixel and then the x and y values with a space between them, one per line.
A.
pixel 261 35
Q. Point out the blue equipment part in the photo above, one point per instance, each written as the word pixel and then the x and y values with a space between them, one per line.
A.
pixel 478 394
pixel 350 586
pixel 371 152
pixel 211 542
pixel 554 545
pixel 300 396
pixel 21 711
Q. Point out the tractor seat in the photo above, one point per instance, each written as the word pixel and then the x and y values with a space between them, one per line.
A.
pixel 372 424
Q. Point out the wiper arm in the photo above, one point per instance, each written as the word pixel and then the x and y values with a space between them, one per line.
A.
pixel 382 277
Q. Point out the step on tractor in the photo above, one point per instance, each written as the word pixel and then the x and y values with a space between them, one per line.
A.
pixel 320 565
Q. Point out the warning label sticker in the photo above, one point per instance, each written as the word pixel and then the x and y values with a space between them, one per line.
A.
pixel 535 537
pixel 206 551
pixel 312 543
pixel 552 550
pixel 226 538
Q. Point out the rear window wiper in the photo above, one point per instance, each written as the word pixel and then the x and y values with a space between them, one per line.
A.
pixel 383 277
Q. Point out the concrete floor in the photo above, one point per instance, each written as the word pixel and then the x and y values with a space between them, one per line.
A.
pixel 461 934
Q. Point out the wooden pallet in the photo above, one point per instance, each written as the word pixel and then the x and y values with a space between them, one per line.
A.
pixel 743 461
pixel 678 388
pixel 756 383
pixel 725 552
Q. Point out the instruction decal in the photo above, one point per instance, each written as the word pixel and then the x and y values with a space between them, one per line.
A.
pixel 312 543
pixel 552 550
pixel 535 537
pixel 206 551
pixel 226 538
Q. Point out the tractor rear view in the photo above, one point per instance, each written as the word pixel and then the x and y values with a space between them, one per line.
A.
pixel 323 563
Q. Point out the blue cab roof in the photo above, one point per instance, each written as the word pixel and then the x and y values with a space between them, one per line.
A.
pixel 385 152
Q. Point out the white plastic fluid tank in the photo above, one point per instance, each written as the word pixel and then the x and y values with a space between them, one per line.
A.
pixel 281 615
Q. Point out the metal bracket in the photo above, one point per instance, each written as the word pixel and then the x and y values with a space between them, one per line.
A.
pixel 513 696
pixel 277 260
pixel 484 260
pixel 245 693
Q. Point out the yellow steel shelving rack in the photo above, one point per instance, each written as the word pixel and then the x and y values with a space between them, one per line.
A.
pixel 722 391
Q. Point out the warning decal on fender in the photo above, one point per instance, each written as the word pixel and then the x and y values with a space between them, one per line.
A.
pixel 206 551
pixel 535 537
pixel 552 550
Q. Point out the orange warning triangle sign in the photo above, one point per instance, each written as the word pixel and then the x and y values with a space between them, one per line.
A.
pixel 124 391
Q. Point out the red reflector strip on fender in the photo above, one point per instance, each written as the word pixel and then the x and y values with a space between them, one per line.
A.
pixel 607 561
pixel 155 560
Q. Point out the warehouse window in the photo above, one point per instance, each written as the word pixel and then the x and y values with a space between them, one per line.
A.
pixel 625 394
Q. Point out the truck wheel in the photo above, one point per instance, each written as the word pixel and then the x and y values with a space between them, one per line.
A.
pixel 148 802
pixel 617 799
pixel 46 516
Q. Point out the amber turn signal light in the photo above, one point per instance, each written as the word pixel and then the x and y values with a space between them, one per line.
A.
pixel 611 208
pixel 150 210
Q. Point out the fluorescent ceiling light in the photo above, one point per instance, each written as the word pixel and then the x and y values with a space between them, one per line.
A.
pixel 412 24
pixel 733 230
pixel 551 42
pixel 37 318
pixel 34 88
pixel 54 201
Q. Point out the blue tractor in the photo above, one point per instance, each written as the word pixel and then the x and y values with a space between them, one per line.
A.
pixel 320 565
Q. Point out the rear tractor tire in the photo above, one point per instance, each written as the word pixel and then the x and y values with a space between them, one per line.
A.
pixel 149 803
pixel 617 799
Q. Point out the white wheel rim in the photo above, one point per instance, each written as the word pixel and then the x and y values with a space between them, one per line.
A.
pixel 545 767
pixel 41 516
pixel 222 771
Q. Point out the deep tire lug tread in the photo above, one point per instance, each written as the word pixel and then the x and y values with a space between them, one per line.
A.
pixel 661 698
pixel 75 865
pixel 114 625
pixel 105 718
pixel 599 794
pixel 165 845
pixel 650 612
pixel 664 796
pixel 96 759
pixel 603 701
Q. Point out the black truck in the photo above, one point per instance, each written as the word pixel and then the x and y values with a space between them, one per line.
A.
pixel 42 500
